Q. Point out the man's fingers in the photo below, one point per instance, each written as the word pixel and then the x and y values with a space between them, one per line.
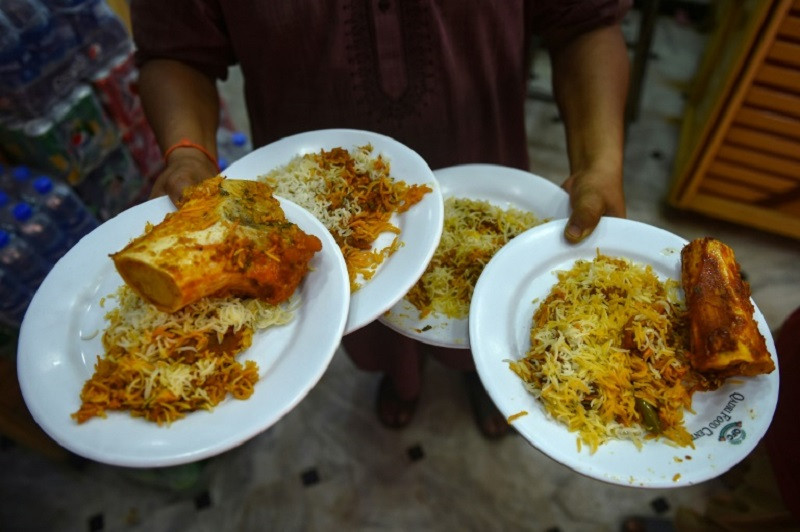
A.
pixel 180 174
pixel 587 209
pixel 174 187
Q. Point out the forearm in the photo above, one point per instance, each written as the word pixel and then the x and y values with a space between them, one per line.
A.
pixel 590 83
pixel 180 103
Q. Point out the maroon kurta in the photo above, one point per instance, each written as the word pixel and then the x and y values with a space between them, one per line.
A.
pixel 445 77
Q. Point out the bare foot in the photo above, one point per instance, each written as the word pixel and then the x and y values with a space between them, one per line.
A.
pixel 393 411
pixel 491 422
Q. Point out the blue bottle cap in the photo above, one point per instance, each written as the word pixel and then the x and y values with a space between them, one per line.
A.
pixel 238 138
pixel 22 211
pixel 21 173
pixel 5 237
pixel 4 199
pixel 43 184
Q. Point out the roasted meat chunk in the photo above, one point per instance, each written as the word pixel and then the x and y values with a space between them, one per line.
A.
pixel 228 237
pixel 724 337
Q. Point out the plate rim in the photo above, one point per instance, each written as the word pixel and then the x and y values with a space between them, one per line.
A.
pixel 110 236
pixel 398 318
pixel 582 461
pixel 380 293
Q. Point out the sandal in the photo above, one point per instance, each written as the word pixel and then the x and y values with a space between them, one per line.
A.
pixel 394 412
pixel 491 422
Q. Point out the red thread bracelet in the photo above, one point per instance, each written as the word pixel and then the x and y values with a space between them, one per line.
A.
pixel 186 143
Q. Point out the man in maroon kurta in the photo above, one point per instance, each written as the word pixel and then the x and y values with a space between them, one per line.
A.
pixel 445 77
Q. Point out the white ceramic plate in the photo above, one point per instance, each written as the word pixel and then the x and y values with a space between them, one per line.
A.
pixel 501 186
pixel 421 226
pixel 60 340
pixel 728 422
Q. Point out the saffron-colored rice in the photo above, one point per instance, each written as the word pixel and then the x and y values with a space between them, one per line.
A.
pixel 354 196
pixel 161 366
pixel 474 230
pixel 609 334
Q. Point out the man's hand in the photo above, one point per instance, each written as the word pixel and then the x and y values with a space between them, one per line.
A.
pixel 592 195
pixel 185 167
pixel 180 103
pixel 590 81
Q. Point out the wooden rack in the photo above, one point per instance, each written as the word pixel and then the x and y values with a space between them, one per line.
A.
pixel 739 153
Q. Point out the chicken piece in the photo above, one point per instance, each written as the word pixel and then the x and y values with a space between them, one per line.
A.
pixel 228 237
pixel 724 337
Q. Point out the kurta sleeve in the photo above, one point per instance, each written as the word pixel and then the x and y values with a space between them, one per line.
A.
pixel 191 31
pixel 562 19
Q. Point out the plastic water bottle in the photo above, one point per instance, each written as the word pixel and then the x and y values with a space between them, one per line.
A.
pixel 40 231
pixel 20 179
pixel 101 32
pixel 22 261
pixel 231 146
pixel 45 57
pixel 6 217
pixel 59 201
pixel 17 67
pixel 14 299
pixel 47 40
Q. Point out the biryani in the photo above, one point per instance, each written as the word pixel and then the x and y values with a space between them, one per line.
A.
pixel 354 195
pixel 474 230
pixel 161 366
pixel 609 354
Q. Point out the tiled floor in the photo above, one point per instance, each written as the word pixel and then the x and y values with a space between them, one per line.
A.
pixel 329 465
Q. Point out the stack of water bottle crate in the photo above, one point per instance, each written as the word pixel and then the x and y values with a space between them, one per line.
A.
pixel 75 148
pixel 40 220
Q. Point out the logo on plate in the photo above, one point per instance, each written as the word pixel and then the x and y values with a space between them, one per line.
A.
pixel 733 433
